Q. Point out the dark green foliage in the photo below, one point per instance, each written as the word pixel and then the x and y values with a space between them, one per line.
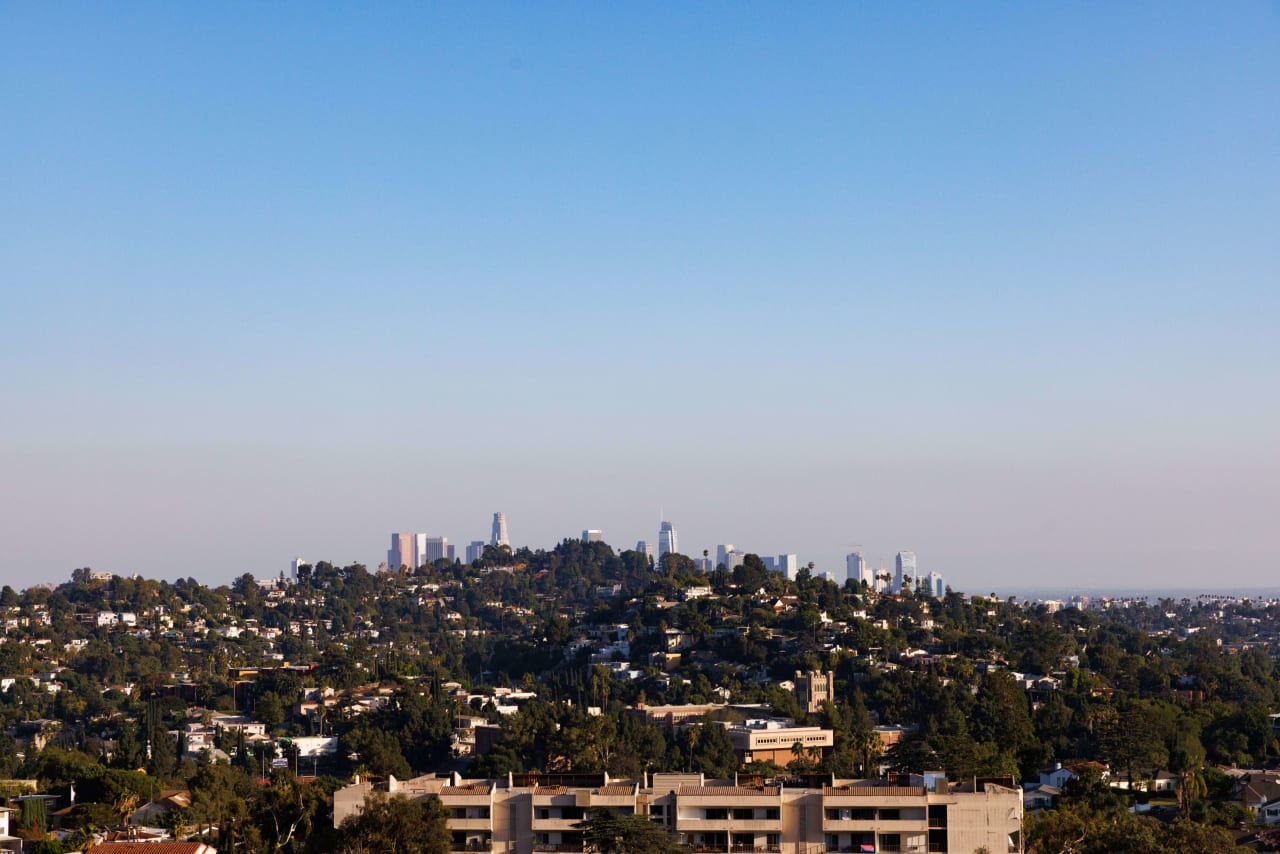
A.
pixel 1082 829
pixel 400 824
pixel 708 749
pixel 608 832
pixel 32 817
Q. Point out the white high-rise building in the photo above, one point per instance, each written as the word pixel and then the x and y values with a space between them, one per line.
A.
pixel 936 585
pixel 668 541
pixel 475 551
pixel 883 579
pixel 295 565
pixel 499 537
pixel 905 568
pixel 789 566
pixel 592 535
pixel 855 568
pixel 722 552
pixel 644 548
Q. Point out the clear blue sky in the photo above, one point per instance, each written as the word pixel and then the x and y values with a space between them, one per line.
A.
pixel 999 283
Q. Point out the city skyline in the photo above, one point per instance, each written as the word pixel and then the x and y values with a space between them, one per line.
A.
pixel 993 284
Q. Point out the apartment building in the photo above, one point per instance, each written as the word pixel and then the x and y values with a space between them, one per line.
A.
pixel 527 813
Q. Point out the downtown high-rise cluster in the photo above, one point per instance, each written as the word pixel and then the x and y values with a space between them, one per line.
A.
pixel 411 550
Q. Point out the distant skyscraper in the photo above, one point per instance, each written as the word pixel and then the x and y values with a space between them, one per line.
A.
pixel 906 568
pixel 644 549
pixel 294 566
pixel 883 579
pixel 592 535
pixel 722 552
pixel 475 551
pixel 499 537
pixel 789 566
pixel 451 553
pixel 437 549
pixel 668 541
pixel 936 586
pixel 404 551
pixel 856 569
pixel 771 563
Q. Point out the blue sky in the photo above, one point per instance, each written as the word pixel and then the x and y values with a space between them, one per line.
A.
pixel 993 282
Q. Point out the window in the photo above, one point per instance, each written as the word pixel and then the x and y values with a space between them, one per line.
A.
pixel 717 815
pixel 744 814
pixel 771 814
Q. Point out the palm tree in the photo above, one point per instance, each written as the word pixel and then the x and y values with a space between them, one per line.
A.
pixel 865 744
pixel 1191 785
pixel 125 805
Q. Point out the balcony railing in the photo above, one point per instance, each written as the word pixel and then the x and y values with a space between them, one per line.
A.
pixel 558 846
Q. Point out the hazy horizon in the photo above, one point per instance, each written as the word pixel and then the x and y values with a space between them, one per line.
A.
pixel 993 284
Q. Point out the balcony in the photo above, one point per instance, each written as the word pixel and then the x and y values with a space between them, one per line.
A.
pixel 874 825
pixel 470 824
pixel 727 825
pixel 470 847
pixel 558 846
pixel 737 849
pixel 554 824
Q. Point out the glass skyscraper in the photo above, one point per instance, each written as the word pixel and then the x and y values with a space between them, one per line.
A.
pixel 667 540
pixel 906 566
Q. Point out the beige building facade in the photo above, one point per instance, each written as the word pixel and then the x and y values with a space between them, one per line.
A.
pixel 528 813
pixel 814 688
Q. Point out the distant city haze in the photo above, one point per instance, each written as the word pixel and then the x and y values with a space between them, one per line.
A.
pixel 993 285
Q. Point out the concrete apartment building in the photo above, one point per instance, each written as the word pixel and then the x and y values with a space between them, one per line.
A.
pixel 527 813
